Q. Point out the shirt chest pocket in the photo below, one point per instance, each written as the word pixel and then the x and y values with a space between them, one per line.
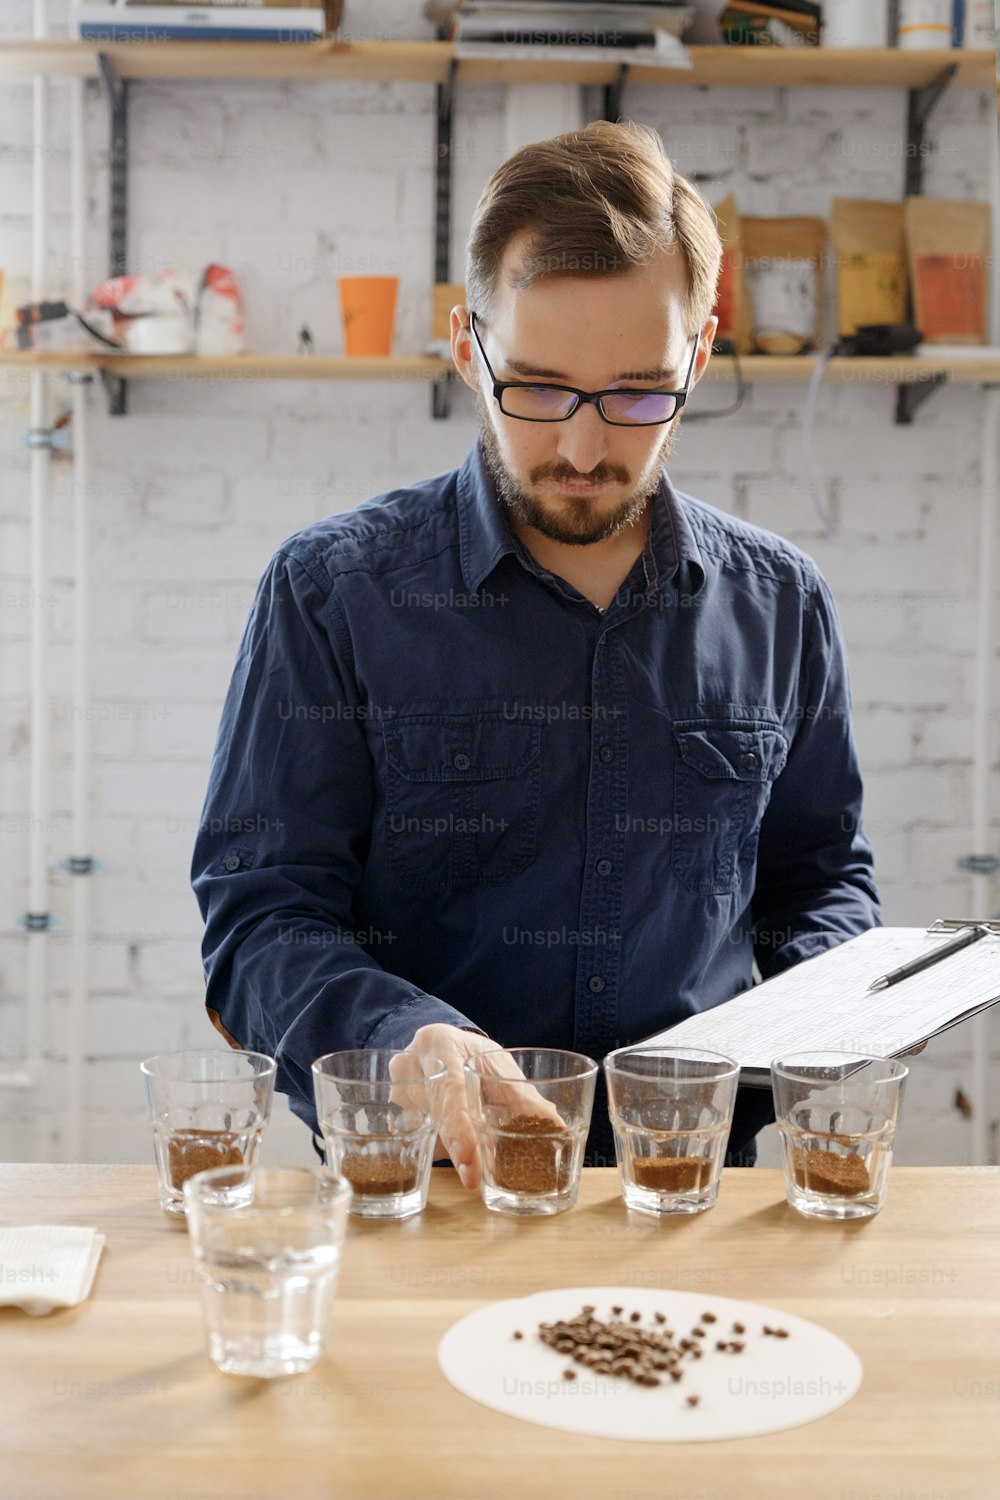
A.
pixel 462 798
pixel 722 784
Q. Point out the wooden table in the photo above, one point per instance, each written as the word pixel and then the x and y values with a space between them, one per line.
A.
pixel 117 1397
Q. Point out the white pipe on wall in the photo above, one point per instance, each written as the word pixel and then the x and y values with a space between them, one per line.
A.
pixel 982 749
pixel 981 886
pixel 38 883
pixel 80 835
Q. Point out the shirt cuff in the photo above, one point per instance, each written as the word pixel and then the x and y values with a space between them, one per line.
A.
pixel 397 1029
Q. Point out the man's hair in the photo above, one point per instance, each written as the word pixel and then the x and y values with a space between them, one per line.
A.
pixel 598 202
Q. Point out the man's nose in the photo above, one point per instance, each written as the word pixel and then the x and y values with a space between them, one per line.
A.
pixel 583 439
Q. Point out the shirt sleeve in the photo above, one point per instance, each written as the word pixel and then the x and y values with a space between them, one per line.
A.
pixel 815 882
pixel 282 843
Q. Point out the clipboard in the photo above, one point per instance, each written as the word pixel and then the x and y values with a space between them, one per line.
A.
pixel 823 1003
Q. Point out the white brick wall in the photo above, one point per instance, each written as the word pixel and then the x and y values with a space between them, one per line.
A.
pixel 294 185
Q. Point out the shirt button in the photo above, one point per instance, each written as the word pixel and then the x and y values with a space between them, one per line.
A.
pixel 461 761
pixel 595 984
pixel 233 862
pixel 603 867
pixel 607 753
pixel 750 760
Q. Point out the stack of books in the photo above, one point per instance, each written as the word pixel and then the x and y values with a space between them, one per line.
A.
pixel 568 23
pixel 221 20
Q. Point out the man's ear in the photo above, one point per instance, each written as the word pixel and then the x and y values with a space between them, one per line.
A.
pixel 706 339
pixel 462 351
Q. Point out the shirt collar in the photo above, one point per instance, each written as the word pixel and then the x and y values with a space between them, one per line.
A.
pixel 671 550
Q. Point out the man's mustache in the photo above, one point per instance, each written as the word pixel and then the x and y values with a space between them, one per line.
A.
pixel 563 476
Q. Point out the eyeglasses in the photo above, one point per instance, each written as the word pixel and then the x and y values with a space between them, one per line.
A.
pixel 556 403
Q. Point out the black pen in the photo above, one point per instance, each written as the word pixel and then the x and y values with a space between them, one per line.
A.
pixel 970 935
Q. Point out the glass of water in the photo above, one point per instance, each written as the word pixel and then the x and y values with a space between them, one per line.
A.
pixel 267 1243
pixel 208 1108
pixel 836 1114
pixel 375 1107
pixel 671 1111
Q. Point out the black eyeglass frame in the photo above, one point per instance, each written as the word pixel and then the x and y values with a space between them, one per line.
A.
pixel 582 397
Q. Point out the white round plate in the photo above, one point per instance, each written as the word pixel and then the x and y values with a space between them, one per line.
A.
pixel 773 1384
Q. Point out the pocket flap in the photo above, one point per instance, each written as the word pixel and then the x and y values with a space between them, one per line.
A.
pixel 754 752
pixel 460 748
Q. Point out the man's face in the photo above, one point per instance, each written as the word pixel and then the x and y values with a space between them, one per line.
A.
pixel 581 481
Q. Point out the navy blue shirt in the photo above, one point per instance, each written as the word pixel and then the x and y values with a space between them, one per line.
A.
pixel 447 787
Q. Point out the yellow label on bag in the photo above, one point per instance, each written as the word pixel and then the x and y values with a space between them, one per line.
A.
pixel 872 289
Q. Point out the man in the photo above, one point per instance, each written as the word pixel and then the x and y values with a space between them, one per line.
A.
pixel 539 751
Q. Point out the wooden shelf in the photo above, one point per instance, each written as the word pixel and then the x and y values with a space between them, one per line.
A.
pixel 236 367
pixel 899 370
pixel 428 62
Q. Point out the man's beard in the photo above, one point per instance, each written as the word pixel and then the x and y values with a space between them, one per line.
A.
pixel 576 523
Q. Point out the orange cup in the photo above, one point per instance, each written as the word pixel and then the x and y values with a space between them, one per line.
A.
pixel 368 307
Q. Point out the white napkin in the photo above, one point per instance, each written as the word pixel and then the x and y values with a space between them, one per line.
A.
pixel 43 1266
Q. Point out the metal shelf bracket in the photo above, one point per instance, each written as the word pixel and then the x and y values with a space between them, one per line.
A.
pixel 118 95
pixel 441 396
pixel 920 103
pixel 910 398
pixel 613 95
pixel 441 392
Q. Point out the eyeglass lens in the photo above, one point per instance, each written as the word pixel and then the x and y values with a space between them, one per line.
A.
pixel 542 403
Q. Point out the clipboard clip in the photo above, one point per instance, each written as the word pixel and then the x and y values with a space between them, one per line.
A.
pixel 955 924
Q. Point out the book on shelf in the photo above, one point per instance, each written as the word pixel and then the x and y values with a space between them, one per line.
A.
pixel 568 22
pixel 332 9
pixel 750 20
pixel 170 22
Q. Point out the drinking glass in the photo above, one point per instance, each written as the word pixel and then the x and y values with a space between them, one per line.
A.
pixel 267 1243
pixel 375 1108
pixel 208 1108
pixel 836 1114
pixel 530 1108
pixel 671 1110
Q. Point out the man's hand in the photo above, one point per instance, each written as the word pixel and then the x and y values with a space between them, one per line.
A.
pixel 456 1136
pixel 456 1133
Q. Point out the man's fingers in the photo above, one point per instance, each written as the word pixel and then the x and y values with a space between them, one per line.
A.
pixel 459 1139
pixel 512 1091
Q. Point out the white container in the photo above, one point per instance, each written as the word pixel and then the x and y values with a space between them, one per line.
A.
pixel 980 25
pixel 924 24
pixel 856 23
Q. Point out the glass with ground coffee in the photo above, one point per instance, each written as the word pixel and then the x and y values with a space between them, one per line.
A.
pixel 208 1108
pixel 671 1110
pixel 530 1108
pixel 836 1114
pixel 375 1107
